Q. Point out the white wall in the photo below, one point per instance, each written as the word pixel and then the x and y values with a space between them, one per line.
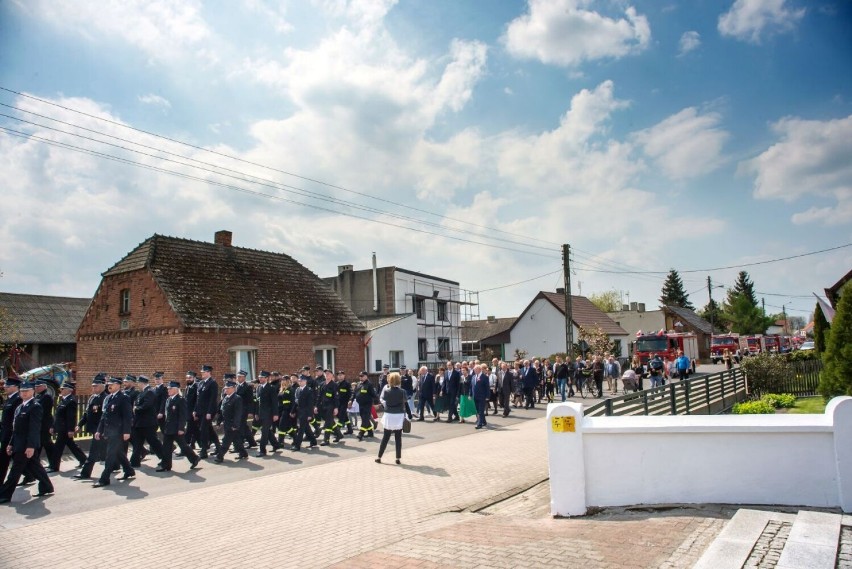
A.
pixel 399 335
pixel 797 460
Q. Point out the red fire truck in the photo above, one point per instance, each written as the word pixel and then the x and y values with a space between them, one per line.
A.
pixel 753 345
pixel 772 343
pixel 666 344
pixel 721 342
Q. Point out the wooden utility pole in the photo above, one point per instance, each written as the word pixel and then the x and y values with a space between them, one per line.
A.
pixel 569 327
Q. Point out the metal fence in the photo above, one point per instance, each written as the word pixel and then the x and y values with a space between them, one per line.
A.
pixel 704 395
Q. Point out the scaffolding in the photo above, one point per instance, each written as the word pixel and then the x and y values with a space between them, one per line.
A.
pixel 444 316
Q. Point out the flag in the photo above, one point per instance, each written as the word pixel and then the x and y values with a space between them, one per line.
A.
pixel 827 310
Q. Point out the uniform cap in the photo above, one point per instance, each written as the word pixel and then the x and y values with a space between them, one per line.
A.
pixel 364 373
pixel 68 385
pixel 263 373
pixel 159 374
pixel 191 373
pixel 100 379
pixel 175 384
pixel 27 385
pixel 116 380
pixel 230 384
pixel 142 379
pixel 386 366
pixel 100 376
pixel 13 381
pixel 130 377
pixel 206 368
pixel 341 372
pixel 242 372
pixel 305 368
pixel 276 374
pixel 229 376
pixel 402 367
pixel 318 368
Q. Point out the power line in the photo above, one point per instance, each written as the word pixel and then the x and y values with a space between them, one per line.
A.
pixel 521 282
pixel 256 193
pixel 249 162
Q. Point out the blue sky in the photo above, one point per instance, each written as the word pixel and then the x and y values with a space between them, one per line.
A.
pixel 648 135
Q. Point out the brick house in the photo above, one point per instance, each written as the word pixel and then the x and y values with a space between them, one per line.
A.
pixel 174 304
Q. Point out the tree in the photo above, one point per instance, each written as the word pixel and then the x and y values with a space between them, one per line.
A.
pixel 744 317
pixel 609 301
pixel 597 340
pixel 765 373
pixel 745 286
pixel 836 375
pixel 713 313
pixel 821 329
pixel 796 323
pixel 673 293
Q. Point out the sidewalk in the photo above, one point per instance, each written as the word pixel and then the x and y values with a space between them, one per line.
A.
pixel 355 513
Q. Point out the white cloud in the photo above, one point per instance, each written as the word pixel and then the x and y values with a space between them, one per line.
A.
pixel 564 32
pixel 811 158
pixel 156 100
pixel 748 20
pixel 686 144
pixel 164 29
pixel 276 14
pixel 689 41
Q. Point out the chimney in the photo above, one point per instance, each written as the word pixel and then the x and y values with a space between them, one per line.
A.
pixel 641 307
pixel 222 238
pixel 491 319
pixel 344 268
pixel 634 306
pixel 560 290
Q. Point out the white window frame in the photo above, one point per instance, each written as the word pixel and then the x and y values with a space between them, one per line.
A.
pixel 243 358
pixel 396 358
pixel 325 356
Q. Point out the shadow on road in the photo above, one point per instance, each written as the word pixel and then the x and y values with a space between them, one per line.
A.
pixel 423 469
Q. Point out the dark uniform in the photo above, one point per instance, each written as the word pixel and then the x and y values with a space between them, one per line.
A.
pixel 145 425
pixel 129 389
pixel 344 396
pixel 286 406
pixel 326 406
pixel 246 393
pixel 115 422
pixel 231 410
pixel 175 416
pixel 304 412
pixel 162 394
pixel 89 422
pixel 63 428
pixel 9 406
pixel 45 399
pixel 207 404
pixel 26 434
pixel 191 396
pixel 365 395
pixel 267 407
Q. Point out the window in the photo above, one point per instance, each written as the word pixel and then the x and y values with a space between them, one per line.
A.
pixel 444 349
pixel 244 359
pixel 421 349
pixel 442 311
pixel 124 302
pixel 324 357
pixel 418 307
pixel 396 359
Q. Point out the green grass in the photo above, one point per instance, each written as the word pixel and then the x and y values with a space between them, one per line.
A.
pixel 812 405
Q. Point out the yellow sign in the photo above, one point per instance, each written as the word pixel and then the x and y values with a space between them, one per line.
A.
pixel 562 424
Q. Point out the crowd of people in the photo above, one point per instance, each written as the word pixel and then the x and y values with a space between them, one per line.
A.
pixel 142 416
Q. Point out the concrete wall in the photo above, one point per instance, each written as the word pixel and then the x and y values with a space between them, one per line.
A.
pixel 796 460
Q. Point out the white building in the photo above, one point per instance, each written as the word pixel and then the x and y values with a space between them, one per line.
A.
pixel 390 340
pixel 540 329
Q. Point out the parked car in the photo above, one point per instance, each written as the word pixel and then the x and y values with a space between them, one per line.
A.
pixel 809 345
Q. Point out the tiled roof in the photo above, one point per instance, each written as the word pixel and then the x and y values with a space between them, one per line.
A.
pixel 218 286
pixel 376 322
pixel 584 313
pixel 691 318
pixel 38 319
pixel 478 330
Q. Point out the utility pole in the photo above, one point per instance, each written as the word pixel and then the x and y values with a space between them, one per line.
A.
pixel 763 305
pixel 784 312
pixel 569 327
pixel 710 305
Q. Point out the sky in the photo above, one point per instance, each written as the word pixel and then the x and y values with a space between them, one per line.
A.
pixel 466 139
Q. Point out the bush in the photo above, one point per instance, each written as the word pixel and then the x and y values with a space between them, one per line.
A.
pixel 777 400
pixel 764 372
pixel 836 376
pixel 799 356
pixel 753 408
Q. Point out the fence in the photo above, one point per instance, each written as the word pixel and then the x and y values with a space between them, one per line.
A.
pixel 703 395
pixel 803 380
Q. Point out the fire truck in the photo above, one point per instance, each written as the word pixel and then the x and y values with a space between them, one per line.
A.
pixel 666 344
pixel 772 343
pixel 753 345
pixel 721 342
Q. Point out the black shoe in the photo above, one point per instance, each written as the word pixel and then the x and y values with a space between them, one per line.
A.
pixel 46 493
pixel 397 461
pixel 243 457
pixel 81 476
pixel 100 484
pixel 218 460
pixel 194 464
pixel 5 500
pixel 322 444
pixel 260 454
pixel 203 455
pixel 294 448
pixel 360 437
pixel 379 460
pixel 179 454
pixel 161 469
pixel 51 470
pixel 127 476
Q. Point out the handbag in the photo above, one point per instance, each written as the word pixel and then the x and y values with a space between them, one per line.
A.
pixel 406 425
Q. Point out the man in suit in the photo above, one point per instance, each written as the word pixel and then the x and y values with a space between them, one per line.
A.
pixel 175 416
pixel 191 396
pixel 530 380
pixel 114 429
pixel 231 410
pixel 45 399
pixel 63 428
pixel 162 394
pixel 206 407
pixel 145 424
pixel 304 412
pixel 426 382
pixel 23 447
pixel 451 388
pixel 481 391
pixel 90 420
pixel 13 399
pixel 246 393
pixel 506 387
pixel 267 413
